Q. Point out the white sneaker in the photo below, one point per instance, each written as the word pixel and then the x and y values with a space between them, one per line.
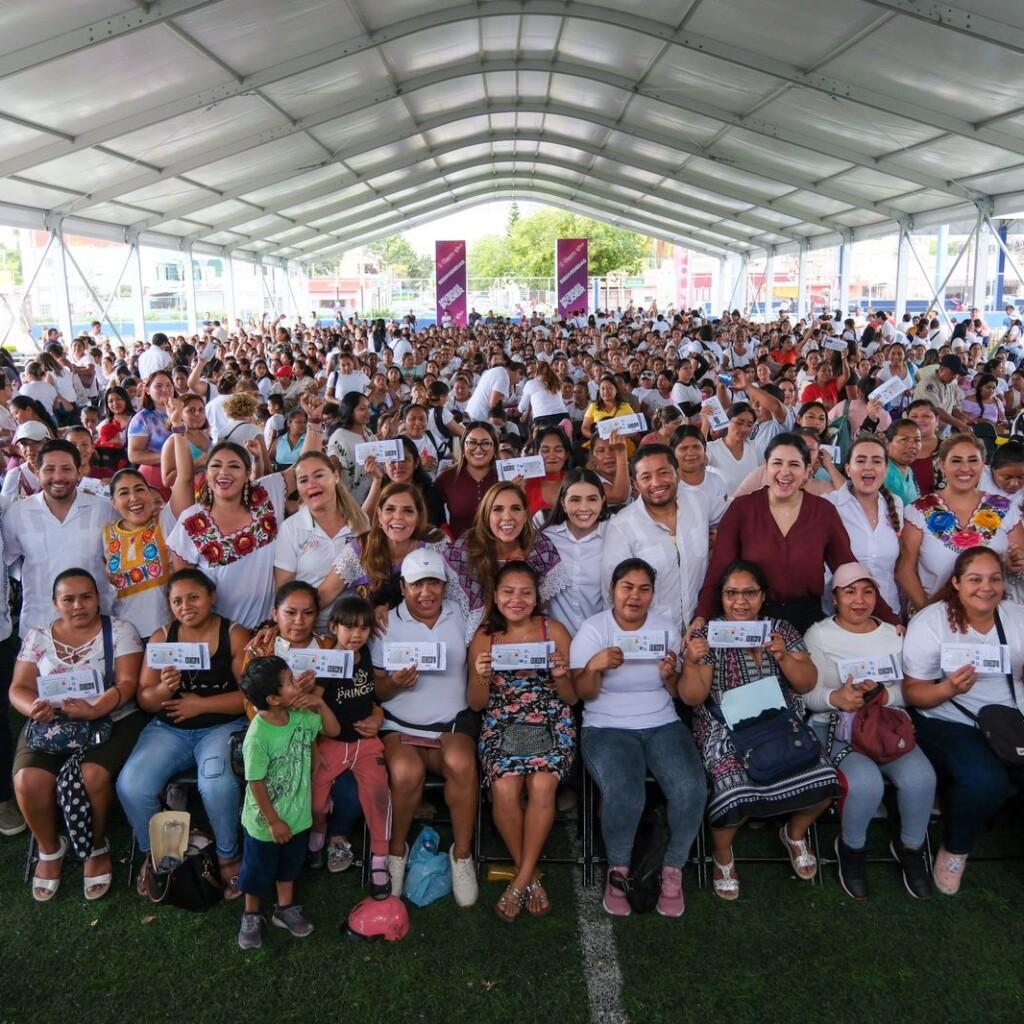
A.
pixel 465 886
pixel 396 865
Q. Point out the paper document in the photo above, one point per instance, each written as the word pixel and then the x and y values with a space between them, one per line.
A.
pixel 516 657
pixel 527 467
pixel 185 657
pixel 634 423
pixel 886 392
pixel 426 656
pixel 382 451
pixel 643 645
pixel 78 684
pixel 835 345
pixel 879 668
pixel 325 663
pixel 987 659
pixel 751 700
pixel 739 634
pixel 715 413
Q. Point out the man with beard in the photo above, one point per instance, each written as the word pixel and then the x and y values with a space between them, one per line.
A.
pixel 668 528
pixel 59 528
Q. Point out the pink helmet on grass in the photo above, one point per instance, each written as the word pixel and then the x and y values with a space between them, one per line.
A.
pixel 385 919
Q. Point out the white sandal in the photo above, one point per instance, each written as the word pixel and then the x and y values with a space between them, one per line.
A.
pixel 728 886
pixel 804 863
pixel 49 886
pixel 101 882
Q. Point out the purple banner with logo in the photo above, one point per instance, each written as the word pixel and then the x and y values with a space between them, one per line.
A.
pixel 450 275
pixel 571 275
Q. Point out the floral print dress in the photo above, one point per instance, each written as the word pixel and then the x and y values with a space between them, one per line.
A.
pixel 943 539
pixel 529 698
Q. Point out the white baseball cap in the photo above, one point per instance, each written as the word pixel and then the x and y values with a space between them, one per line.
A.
pixel 422 564
pixel 33 430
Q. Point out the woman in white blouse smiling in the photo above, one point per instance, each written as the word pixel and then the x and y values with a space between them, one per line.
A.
pixel 576 527
pixel 873 516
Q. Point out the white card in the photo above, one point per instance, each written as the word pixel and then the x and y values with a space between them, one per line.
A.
pixel 836 345
pixel 738 634
pixel 325 663
pixel 382 451
pixel 988 659
pixel 833 450
pixel 634 423
pixel 889 390
pixel 185 657
pixel 528 466
pixel 716 414
pixel 209 351
pixel 643 645
pixel 515 657
pixel 426 656
pixel 79 684
pixel 879 668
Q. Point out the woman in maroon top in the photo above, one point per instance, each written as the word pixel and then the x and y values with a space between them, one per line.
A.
pixel 464 485
pixel 789 533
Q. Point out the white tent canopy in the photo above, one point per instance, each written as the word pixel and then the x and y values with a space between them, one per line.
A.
pixel 278 131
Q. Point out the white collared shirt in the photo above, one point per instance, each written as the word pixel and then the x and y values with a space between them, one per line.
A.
pixel 48 547
pixel 436 696
pixel 581 556
pixel 681 561
pixel 303 548
pixel 876 547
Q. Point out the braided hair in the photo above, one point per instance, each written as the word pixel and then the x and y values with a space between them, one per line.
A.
pixel 890 501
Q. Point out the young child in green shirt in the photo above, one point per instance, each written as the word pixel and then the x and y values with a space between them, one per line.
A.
pixel 277 812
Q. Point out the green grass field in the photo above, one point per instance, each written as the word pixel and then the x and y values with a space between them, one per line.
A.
pixel 787 951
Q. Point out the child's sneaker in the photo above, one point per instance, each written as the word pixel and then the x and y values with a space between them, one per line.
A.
pixel 380 880
pixel 671 902
pixel 465 886
pixel 339 856
pixel 290 917
pixel 250 934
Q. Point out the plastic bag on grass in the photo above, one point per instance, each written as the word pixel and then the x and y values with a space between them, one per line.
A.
pixel 428 873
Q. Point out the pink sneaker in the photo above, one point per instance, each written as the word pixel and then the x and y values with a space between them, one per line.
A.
pixel 671 902
pixel 615 901
pixel 948 872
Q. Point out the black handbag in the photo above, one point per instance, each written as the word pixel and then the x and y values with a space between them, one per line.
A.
pixel 195 883
pixel 772 746
pixel 1002 726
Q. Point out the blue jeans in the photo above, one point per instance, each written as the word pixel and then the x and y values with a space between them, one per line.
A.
pixel 619 760
pixel 912 775
pixel 345 807
pixel 165 750
pixel 975 782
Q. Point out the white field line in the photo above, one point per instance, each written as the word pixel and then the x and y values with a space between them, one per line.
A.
pixel 600 958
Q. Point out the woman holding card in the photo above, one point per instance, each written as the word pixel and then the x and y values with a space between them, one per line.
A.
pixel 353 428
pixel 464 485
pixel 939 526
pixel 735 455
pixel 608 405
pixel 528 734
pixel 408 469
pixel 551 444
pixel 631 728
pixel 976 783
pixel 711 672
pixel 195 711
pixel 853 634
pixel 77 785
pixel 502 532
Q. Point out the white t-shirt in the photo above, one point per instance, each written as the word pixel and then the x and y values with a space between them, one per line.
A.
pixel 495 379
pixel 734 471
pixel 436 696
pixel 42 391
pixel 304 549
pixel 712 486
pixel 217 418
pixel 245 587
pixel 633 695
pixel 275 425
pixel 929 629
pixel 346 382
pixel 153 359
pixel 538 401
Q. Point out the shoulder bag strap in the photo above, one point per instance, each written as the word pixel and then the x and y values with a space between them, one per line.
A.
pixel 1002 642
pixel 106 628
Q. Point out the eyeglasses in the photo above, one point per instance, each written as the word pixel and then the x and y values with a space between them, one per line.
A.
pixel 748 595
pixel 473 443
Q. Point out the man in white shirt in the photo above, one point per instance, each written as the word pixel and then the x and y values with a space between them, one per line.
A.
pixel 668 528
pixel 156 357
pixel 59 528
pixel 425 719
pixel 493 388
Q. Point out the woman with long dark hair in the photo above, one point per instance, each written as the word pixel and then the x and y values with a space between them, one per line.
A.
pixel 353 429
pixel 464 485
pixel 150 428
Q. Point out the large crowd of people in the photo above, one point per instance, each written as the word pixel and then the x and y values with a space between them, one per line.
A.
pixel 815 520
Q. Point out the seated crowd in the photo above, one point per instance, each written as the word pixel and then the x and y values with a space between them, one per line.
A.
pixel 829 513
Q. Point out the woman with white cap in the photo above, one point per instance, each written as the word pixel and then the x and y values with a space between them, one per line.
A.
pixel 23 480
pixel 853 634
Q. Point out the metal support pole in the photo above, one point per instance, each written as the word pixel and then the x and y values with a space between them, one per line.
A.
pixel 1001 250
pixel 902 275
pixel 979 284
pixel 941 260
pixel 28 290
pixel 89 289
pixel 845 272
pixel 232 306
pixel 113 293
pixel 139 297
pixel 62 294
pixel 717 286
pixel 942 284
pixel 1006 252
pixel 190 292
pixel 769 284
pixel 802 301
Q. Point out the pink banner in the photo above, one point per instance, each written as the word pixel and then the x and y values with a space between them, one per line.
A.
pixel 571 276
pixel 450 276
pixel 683 291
